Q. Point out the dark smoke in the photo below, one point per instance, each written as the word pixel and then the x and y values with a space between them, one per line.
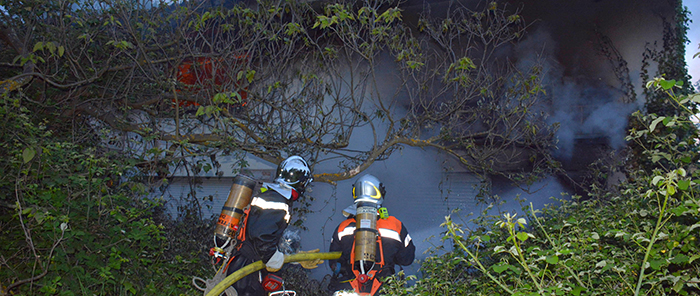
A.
pixel 593 52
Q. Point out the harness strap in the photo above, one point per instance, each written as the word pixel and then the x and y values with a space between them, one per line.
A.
pixel 240 237
pixel 376 284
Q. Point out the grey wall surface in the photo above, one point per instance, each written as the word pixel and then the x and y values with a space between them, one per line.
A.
pixel 421 191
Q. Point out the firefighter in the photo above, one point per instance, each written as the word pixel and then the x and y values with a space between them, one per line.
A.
pixel 371 249
pixel 265 224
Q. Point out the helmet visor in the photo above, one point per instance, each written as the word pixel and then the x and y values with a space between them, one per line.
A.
pixel 366 191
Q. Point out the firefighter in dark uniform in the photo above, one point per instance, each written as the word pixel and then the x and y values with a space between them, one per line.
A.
pixel 268 218
pixel 392 245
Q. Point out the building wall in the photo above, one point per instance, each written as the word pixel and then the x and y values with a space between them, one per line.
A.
pixel 209 192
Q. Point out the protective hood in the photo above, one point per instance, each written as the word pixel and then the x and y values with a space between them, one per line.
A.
pixel 350 211
pixel 279 188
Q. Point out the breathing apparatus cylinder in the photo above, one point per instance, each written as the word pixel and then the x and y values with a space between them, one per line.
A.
pixel 365 237
pixel 238 198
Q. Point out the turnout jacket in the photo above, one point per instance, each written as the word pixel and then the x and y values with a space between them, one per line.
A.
pixel 269 216
pixel 397 247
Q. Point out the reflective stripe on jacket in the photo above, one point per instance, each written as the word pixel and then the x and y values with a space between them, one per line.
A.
pixel 268 218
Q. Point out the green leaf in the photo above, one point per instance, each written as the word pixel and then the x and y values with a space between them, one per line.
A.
pixel 577 291
pixel 220 98
pixel 656 264
pixel 667 121
pixel 656 121
pixel 516 270
pixel 601 264
pixel 39 216
pixel 501 267
pixel 552 259
pixel 683 184
pixel 38 46
pixel 681 172
pixel 695 98
pixel 678 286
pixel 499 249
pixel 522 236
pixel 667 84
pixel 693 258
pixel 679 210
pixel 250 75
pixel 28 154
pixel 129 287
pixel 670 190
pixel 680 259
pixel 466 63
pixel 51 47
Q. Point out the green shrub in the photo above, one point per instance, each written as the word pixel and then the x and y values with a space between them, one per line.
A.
pixel 74 220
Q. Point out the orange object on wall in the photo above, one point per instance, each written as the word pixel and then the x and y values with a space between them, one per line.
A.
pixel 204 72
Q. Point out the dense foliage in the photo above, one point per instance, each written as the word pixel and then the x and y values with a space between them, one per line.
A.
pixel 669 60
pixel 639 240
pixel 71 218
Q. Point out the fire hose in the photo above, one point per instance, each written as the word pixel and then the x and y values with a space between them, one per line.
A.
pixel 258 265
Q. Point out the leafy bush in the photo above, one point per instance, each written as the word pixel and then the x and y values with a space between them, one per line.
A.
pixel 73 219
pixel 643 240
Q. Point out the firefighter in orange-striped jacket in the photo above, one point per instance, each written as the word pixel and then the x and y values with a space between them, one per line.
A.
pixel 268 218
pixel 371 250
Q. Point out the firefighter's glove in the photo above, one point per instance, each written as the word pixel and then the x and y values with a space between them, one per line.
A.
pixel 275 263
pixel 311 264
